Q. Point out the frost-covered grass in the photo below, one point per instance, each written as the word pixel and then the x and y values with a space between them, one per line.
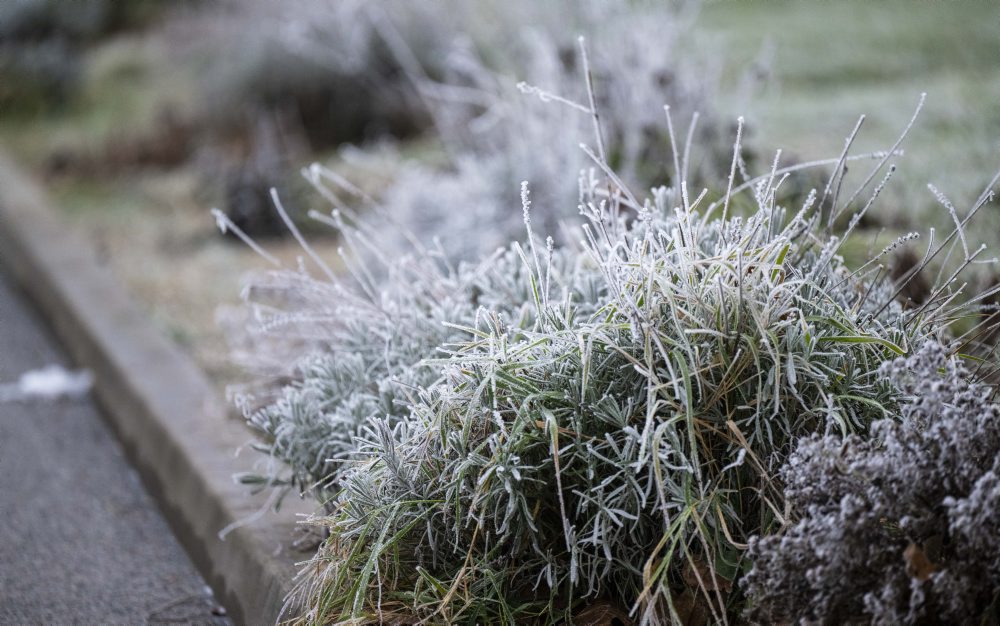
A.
pixel 600 424
pixel 367 343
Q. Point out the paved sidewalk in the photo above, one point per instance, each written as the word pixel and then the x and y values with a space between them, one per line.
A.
pixel 81 541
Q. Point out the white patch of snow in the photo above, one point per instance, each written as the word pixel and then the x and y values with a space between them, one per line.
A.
pixel 48 383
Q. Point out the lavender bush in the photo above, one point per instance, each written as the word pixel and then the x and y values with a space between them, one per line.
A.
pixel 367 348
pixel 901 528
pixel 595 423
pixel 560 428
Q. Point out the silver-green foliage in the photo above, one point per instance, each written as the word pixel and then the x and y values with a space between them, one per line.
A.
pixel 619 443
pixel 556 428
pixel 363 349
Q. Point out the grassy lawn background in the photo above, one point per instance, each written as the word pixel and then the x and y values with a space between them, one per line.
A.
pixel 834 61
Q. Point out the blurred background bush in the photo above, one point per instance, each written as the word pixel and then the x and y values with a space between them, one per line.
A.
pixel 141 115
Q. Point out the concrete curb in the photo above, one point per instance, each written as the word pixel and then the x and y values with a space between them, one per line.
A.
pixel 171 422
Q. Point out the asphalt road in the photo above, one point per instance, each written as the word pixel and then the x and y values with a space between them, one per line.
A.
pixel 81 542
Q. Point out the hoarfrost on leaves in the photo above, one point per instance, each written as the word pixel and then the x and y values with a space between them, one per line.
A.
pixel 523 437
pixel 899 528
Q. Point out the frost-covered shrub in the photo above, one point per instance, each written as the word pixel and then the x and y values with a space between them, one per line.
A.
pixel 901 528
pixel 348 89
pixel 563 427
pixel 499 130
pixel 604 425
pixel 351 70
pixel 368 352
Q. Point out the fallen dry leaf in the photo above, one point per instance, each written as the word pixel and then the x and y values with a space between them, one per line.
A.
pixel 917 564
pixel 602 614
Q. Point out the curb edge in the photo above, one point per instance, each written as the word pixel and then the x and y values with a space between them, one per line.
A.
pixel 170 420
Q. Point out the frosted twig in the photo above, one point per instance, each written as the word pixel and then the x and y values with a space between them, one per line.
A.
pixel 292 228
pixel 732 169
pixel 946 203
pixel 838 170
pixel 547 96
pixel 227 225
pixel 592 99
pixel 678 178
pixel 686 162
pixel 895 146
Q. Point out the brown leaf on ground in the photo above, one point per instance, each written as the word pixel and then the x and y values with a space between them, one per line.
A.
pixel 602 613
pixel 917 564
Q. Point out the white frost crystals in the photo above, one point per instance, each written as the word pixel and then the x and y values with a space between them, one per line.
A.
pixel 51 382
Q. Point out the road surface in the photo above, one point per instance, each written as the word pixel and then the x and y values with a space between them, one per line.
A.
pixel 81 542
